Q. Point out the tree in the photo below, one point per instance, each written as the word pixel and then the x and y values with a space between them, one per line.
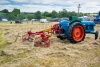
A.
pixel 73 13
pixel 5 11
pixel 45 13
pixel 38 15
pixel 11 16
pixel 49 14
pixel 16 12
pixel 54 14
pixel 14 15
pixel 64 13
pixel 60 14
pixel 21 16
pixel 30 16
pixel 80 14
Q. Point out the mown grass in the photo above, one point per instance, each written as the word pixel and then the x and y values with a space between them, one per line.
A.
pixel 3 43
pixel 8 22
pixel 95 65
pixel 97 55
pixel 92 56
pixel 47 62
pixel 11 59
pixel 88 55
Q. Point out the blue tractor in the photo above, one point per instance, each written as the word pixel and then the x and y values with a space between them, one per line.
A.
pixel 75 30
pixel 72 29
pixel 97 18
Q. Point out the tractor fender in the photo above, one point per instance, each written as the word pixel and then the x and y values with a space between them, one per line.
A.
pixel 74 22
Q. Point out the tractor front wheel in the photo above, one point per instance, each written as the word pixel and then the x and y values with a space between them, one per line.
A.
pixel 76 32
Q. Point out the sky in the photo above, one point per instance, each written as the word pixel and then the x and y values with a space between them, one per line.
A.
pixel 87 6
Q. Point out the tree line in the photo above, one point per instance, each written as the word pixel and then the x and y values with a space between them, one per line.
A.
pixel 17 15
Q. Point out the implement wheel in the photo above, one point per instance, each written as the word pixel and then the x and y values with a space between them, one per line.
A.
pixel 76 32
pixel 27 38
pixel 40 42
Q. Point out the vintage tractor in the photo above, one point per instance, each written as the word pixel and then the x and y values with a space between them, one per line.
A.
pixel 97 18
pixel 73 30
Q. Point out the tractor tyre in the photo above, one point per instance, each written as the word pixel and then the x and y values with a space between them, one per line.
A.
pixel 76 32
pixel 96 35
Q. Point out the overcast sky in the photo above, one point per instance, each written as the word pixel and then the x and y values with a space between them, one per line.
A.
pixel 90 6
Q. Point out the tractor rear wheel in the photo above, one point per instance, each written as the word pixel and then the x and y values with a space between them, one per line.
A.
pixel 76 32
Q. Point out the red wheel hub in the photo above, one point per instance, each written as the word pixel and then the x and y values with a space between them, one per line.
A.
pixel 78 33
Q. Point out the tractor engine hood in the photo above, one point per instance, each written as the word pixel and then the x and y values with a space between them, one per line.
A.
pixel 88 23
pixel 64 24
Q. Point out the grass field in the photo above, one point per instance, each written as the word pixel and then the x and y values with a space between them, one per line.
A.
pixel 13 22
pixel 59 54
pixel 8 22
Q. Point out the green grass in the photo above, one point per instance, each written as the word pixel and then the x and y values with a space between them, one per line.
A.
pixel 46 62
pixel 3 42
pixel 5 58
pixel 91 55
pixel 8 22
pixel 11 59
pixel 42 62
pixel 97 54
pixel 95 65
pixel 3 46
